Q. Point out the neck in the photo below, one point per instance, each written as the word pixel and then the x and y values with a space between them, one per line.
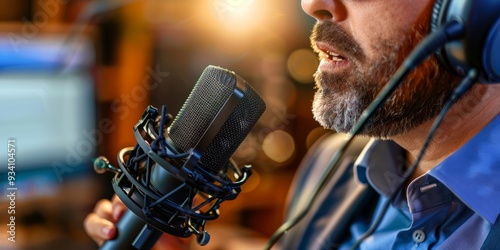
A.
pixel 464 120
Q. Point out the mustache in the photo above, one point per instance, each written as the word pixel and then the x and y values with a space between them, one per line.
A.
pixel 333 34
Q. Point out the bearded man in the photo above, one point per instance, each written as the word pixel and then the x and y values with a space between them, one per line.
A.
pixel 451 199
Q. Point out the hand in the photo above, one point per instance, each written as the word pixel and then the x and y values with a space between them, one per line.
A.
pixel 100 224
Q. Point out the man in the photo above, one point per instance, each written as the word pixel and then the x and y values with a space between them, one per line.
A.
pixel 451 200
pixel 447 203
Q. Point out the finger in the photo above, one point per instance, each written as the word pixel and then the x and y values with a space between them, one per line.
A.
pixel 99 229
pixel 104 209
pixel 118 208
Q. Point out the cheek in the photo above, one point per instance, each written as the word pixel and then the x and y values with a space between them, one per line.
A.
pixel 385 20
pixel 370 33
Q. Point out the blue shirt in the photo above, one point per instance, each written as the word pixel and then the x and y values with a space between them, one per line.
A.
pixel 451 207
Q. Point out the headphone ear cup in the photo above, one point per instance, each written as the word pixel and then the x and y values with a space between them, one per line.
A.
pixel 491 53
pixel 479 47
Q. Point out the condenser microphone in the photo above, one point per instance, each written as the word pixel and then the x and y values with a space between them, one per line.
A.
pixel 160 177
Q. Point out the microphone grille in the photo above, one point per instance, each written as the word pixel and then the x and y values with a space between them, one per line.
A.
pixel 209 95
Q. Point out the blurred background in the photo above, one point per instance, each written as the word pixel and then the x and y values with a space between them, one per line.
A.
pixel 76 75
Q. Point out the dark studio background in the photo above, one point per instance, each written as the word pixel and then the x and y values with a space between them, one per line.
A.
pixel 70 93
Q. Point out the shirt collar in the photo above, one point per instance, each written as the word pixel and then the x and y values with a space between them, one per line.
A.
pixel 381 164
pixel 472 173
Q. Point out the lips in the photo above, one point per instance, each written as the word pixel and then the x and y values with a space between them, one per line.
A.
pixel 331 60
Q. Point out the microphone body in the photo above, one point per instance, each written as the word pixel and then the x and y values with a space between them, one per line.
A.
pixel 159 178
pixel 128 229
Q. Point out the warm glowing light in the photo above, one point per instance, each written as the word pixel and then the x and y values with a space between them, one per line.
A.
pixel 302 64
pixel 279 146
pixel 237 16
pixel 233 10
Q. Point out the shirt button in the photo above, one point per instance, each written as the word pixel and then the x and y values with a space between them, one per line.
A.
pixel 418 236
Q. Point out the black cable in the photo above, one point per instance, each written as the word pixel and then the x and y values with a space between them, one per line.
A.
pixel 465 85
pixel 428 46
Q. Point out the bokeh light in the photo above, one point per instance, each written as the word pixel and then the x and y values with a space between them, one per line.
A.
pixel 279 146
pixel 234 16
pixel 302 64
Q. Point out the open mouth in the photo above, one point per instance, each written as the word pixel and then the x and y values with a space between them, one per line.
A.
pixel 326 52
pixel 331 60
pixel 331 56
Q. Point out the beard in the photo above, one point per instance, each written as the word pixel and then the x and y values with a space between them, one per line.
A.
pixel 342 97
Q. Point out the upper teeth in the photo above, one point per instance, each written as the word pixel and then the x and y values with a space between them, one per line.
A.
pixel 334 56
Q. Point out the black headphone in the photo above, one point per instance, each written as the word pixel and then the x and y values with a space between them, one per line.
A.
pixel 480 46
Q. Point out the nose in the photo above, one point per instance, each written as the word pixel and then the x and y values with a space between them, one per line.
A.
pixel 325 10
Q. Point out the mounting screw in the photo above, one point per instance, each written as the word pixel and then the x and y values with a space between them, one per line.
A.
pixel 101 166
